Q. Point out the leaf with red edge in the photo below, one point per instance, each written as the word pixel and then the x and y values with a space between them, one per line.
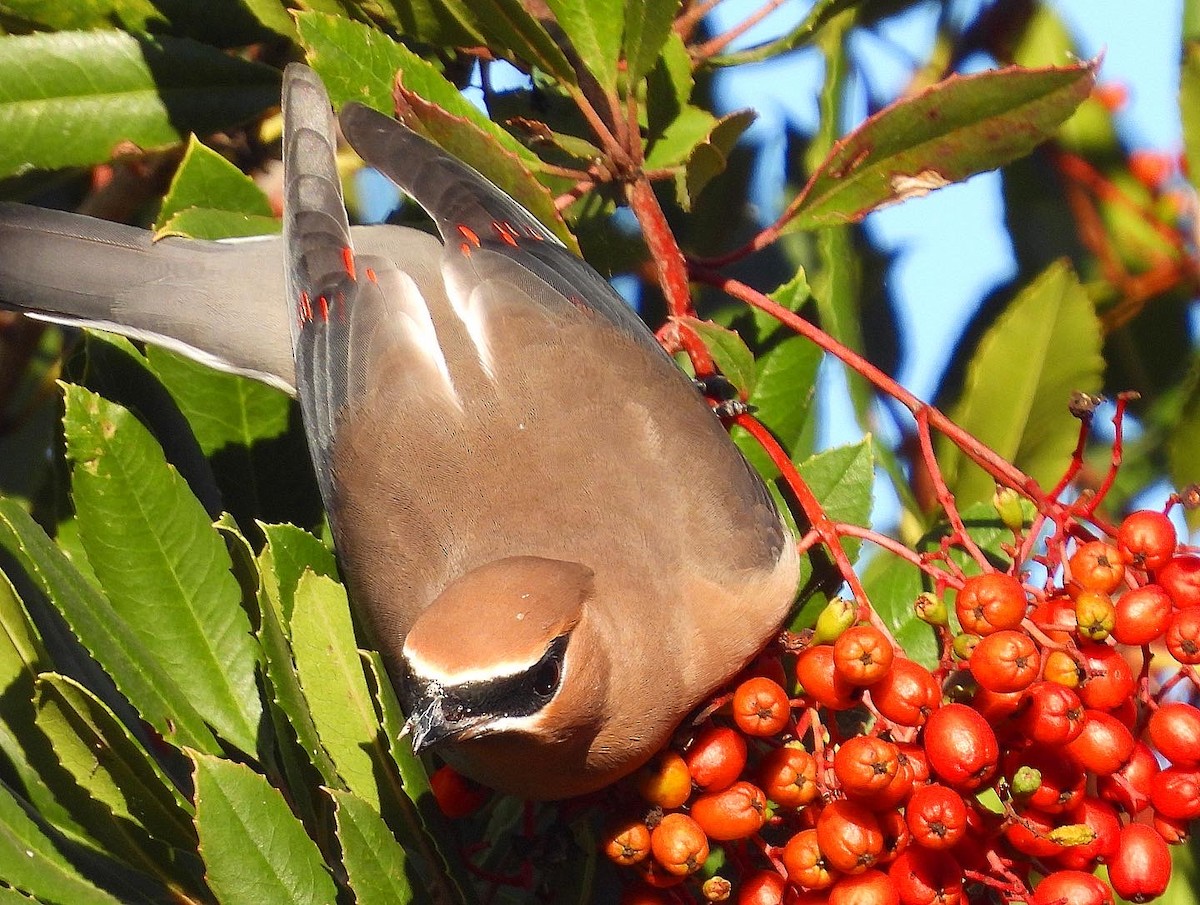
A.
pixel 954 129
pixel 472 145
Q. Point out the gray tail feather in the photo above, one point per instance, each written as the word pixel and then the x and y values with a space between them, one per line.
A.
pixel 217 302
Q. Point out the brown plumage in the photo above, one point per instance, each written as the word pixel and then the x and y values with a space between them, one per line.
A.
pixel 550 536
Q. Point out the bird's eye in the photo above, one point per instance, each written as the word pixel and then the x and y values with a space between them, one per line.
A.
pixel 545 680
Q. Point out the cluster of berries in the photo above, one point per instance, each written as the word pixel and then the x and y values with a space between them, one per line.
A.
pixel 1055 736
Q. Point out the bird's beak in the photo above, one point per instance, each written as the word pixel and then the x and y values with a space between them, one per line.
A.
pixel 427 724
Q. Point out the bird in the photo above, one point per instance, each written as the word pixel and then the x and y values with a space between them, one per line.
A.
pixel 547 533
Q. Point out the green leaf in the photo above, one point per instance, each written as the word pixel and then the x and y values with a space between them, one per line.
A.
pixel 122 796
pixel 290 551
pixel 69 99
pixel 205 223
pixel 1189 108
pixel 842 479
pixel 289 709
pixel 206 181
pixel 1043 347
pixel 647 28
pixel 32 863
pixel 161 563
pixel 594 30
pixel 421 828
pixel 26 748
pixel 728 351
pixel 783 394
pixel 135 671
pixel 376 865
pixel 332 679
pixel 892 585
pixel 709 157
pixel 254 850
pixel 818 17
pixel 223 409
pixel 958 127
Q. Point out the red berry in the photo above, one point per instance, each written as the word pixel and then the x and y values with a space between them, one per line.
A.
pixel 735 813
pixel 936 816
pixel 1146 540
pixel 865 765
pixel 989 603
pixel 849 835
pixel 1109 681
pixel 1096 566
pixel 1129 786
pixel 805 862
pixel 961 747
pixel 1005 661
pixel 1175 793
pixel 871 887
pixel 1175 731
pixel 1071 887
pixel 456 795
pixel 763 887
pixel 907 693
pixel 760 707
pixel 926 877
pixel 1143 614
pixel 1141 868
pixel 716 758
pixel 1053 714
pixel 679 844
pixel 862 654
pixel 820 680
pixel 788 776
pixel 1180 577
pixel 1104 745
pixel 1183 636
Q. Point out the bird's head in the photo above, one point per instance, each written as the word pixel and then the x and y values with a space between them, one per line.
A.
pixel 505 665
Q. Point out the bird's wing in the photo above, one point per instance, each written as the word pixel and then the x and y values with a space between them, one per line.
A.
pixel 346 309
pixel 473 215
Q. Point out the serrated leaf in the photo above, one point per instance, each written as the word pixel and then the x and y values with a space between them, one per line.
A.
pixel 135 671
pixel 419 824
pixel 842 479
pixel 332 679
pixel 122 796
pixel 254 850
pixel 375 863
pixel 1044 346
pixel 818 17
pixel 290 551
pixel 206 181
pixel 70 98
pixel 32 863
pixel 161 563
pixel 595 30
pixel 729 352
pixel 289 708
pixel 26 749
pixel 960 126
pixel 647 27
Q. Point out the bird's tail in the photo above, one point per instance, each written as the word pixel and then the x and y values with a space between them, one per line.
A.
pixel 217 302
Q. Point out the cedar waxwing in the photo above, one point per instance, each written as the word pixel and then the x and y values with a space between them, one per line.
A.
pixel 553 541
